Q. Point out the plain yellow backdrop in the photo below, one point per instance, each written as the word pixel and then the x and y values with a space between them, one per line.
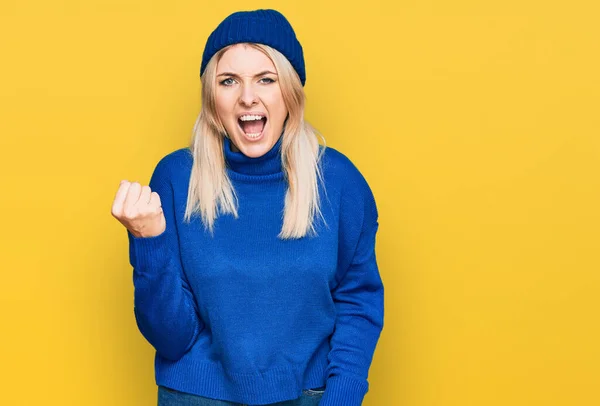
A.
pixel 475 123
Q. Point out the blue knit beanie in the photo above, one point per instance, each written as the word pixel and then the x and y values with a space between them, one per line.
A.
pixel 268 27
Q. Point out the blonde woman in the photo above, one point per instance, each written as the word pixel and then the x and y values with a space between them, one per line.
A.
pixel 253 249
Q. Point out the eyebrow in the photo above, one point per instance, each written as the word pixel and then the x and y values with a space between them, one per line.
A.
pixel 258 74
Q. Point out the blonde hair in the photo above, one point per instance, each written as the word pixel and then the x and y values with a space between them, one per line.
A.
pixel 210 190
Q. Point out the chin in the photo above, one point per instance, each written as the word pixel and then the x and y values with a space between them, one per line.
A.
pixel 257 146
pixel 254 149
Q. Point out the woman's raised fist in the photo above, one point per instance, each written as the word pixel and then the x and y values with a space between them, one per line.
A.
pixel 139 209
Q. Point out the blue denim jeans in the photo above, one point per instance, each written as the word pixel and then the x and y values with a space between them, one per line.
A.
pixel 170 397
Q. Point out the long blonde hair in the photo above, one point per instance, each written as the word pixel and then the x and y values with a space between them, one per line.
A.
pixel 210 190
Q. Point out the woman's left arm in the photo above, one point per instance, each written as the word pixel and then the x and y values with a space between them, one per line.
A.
pixel 358 298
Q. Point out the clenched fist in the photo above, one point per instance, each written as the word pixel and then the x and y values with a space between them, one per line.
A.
pixel 139 209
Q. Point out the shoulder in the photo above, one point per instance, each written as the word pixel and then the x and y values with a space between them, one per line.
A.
pixel 339 166
pixel 176 158
pixel 335 160
pixel 339 170
pixel 172 165
pixel 173 160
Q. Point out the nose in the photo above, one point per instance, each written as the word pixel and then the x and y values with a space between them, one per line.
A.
pixel 248 96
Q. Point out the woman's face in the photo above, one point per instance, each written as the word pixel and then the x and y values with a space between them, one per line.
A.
pixel 249 100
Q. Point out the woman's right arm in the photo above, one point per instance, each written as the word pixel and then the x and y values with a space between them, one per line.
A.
pixel 164 306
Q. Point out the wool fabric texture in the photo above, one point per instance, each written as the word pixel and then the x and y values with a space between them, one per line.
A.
pixel 264 26
pixel 247 317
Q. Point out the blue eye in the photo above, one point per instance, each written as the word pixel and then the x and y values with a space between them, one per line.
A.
pixel 229 81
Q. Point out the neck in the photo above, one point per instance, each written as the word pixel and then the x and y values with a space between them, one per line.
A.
pixel 267 164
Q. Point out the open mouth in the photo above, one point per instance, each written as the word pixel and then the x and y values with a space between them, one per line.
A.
pixel 252 125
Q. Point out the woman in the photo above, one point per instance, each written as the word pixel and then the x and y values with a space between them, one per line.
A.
pixel 254 249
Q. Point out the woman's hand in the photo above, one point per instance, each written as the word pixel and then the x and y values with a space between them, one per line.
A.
pixel 139 210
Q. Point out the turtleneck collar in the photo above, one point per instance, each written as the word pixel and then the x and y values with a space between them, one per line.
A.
pixel 267 164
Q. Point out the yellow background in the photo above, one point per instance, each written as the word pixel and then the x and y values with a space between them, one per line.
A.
pixel 475 122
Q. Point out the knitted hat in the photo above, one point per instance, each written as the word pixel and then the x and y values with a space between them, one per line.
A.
pixel 268 27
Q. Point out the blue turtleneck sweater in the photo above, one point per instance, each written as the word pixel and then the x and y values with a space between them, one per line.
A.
pixel 246 317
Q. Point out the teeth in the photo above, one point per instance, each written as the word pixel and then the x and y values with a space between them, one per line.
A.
pixel 255 135
pixel 250 118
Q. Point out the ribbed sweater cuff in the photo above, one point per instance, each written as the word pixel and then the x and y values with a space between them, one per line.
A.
pixel 149 254
pixel 344 391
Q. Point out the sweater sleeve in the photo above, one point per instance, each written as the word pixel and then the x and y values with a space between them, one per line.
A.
pixel 164 307
pixel 358 299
